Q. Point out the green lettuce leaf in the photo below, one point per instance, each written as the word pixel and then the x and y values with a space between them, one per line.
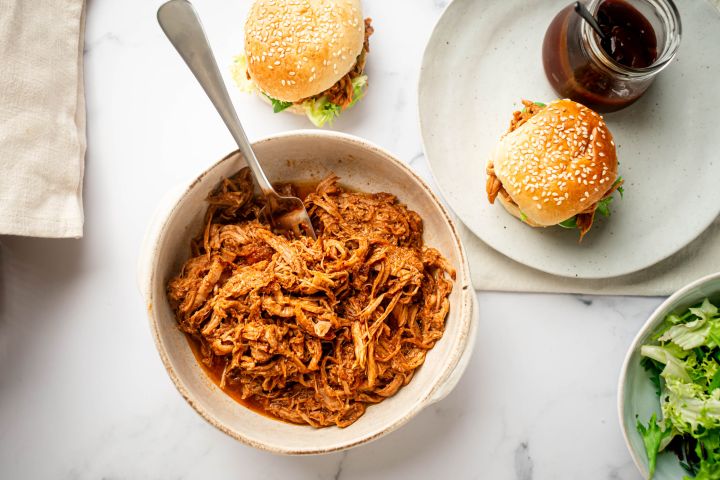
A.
pixel 689 408
pixel 704 330
pixel 238 71
pixel 539 104
pixel 706 310
pixel 672 358
pixel 688 362
pixel 569 223
pixel 603 206
pixel 278 105
pixel 653 438
pixel 688 335
pixel 654 369
pixel 708 471
pixel 321 111
pixel 359 84
pixel 620 189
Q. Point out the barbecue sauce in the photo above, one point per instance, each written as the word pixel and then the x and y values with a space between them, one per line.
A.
pixel 576 73
pixel 630 39
pixel 215 372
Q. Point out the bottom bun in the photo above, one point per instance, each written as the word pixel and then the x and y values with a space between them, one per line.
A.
pixel 514 210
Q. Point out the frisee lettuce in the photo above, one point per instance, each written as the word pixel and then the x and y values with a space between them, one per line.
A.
pixel 238 71
pixel 683 361
pixel 359 84
pixel 321 111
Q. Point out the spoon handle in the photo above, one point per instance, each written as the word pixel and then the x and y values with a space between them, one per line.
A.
pixel 182 26
pixel 582 10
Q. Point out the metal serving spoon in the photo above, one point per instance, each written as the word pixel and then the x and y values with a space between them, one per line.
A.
pixel 179 21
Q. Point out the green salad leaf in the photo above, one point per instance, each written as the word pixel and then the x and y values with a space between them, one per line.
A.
pixel 321 111
pixel 539 104
pixel 653 369
pixel 569 223
pixel 278 105
pixel 682 359
pixel 620 189
pixel 603 206
pixel 359 84
pixel 653 436
pixel 238 71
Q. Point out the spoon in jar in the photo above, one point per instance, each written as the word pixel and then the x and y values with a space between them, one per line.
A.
pixel 582 10
pixel 179 21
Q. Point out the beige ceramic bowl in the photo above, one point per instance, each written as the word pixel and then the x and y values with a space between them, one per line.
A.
pixel 306 156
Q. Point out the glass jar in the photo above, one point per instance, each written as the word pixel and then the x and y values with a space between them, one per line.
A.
pixel 579 68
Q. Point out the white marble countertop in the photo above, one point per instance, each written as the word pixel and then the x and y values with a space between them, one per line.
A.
pixel 83 393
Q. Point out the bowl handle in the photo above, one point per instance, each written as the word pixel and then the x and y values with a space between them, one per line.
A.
pixel 148 246
pixel 462 364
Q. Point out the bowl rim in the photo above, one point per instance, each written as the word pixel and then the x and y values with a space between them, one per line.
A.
pixel 467 301
pixel 649 324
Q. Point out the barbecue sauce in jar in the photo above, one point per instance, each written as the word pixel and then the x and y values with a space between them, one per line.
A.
pixel 630 39
pixel 604 74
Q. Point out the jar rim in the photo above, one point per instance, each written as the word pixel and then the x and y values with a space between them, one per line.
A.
pixel 673 31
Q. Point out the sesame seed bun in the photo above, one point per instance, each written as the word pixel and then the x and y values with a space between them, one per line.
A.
pixel 297 49
pixel 557 164
pixel 514 210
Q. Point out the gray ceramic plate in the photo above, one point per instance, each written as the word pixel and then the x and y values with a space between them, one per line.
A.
pixel 484 56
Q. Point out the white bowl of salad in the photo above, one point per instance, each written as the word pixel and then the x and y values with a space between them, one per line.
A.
pixel 669 390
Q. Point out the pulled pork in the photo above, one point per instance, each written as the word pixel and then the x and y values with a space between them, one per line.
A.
pixel 342 92
pixel 313 331
pixel 584 220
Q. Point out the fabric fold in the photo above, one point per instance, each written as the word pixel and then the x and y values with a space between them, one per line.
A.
pixel 42 117
pixel 491 270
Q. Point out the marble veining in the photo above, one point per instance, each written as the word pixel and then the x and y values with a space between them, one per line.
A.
pixel 523 462
pixel 83 394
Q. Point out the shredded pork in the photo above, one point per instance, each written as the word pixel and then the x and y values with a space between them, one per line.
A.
pixel 312 332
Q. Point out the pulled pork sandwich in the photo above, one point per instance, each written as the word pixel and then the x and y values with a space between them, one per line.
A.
pixel 556 166
pixel 306 57
pixel 312 331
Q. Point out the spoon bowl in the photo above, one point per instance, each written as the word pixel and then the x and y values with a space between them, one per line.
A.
pixel 180 22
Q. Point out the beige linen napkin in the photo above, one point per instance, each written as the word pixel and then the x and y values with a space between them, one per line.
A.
pixel 42 117
pixel 491 270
